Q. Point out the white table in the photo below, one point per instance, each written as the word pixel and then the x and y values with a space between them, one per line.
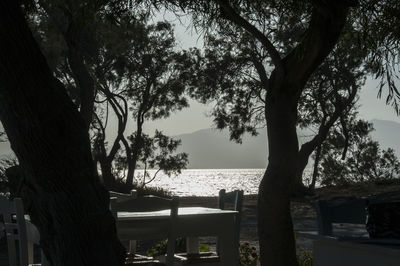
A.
pixel 191 222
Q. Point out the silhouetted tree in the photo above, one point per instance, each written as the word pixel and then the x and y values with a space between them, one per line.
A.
pixel 329 97
pixel 114 62
pixel 149 78
pixel 49 137
pixel 155 153
pixel 282 70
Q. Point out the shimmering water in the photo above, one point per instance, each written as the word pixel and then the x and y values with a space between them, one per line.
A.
pixel 207 182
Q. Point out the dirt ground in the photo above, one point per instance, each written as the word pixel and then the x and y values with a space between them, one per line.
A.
pixel 303 213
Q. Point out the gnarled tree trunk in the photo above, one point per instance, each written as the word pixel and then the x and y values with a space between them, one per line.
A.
pixel 49 137
pixel 287 81
pixel 275 228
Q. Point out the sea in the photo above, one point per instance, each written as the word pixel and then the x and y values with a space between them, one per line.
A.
pixel 208 182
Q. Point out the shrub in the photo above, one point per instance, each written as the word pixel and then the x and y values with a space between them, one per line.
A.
pixel 180 246
pixel 248 255
pixel 156 191
pixel 304 257
pixel 122 187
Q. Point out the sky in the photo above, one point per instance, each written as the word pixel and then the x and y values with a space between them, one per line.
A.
pixel 373 107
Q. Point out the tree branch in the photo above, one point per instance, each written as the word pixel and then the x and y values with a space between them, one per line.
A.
pixel 233 16
pixel 261 71
pixel 320 38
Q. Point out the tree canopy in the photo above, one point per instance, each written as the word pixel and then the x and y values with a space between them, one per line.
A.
pixel 114 61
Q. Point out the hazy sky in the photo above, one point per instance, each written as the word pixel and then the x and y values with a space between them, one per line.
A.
pixel 374 108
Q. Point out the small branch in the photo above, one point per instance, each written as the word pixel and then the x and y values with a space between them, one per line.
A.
pixel 346 136
pixel 154 177
pixel 261 71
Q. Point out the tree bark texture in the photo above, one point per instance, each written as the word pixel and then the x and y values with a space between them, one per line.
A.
pixel 275 228
pixel 70 207
pixel 287 81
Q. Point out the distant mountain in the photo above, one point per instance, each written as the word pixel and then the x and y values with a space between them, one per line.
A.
pixel 210 148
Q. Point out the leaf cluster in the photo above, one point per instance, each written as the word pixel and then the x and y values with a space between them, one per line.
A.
pixel 157 152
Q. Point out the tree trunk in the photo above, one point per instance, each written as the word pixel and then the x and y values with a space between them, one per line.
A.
pixel 131 170
pixel 316 163
pixel 275 228
pixel 287 81
pixel 47 133
pixel 299 188
pixel 132 163
pixel 131 167
pixel 106 173
pixel 284 88
pixel 302 160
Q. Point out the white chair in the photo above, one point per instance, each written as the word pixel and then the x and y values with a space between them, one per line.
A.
pixel 159 230
pixel 17 229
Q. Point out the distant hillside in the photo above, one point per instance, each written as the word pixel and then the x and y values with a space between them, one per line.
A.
pixel 210 148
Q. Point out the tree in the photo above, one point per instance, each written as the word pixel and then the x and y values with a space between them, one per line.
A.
pixel 365 161
pixel 49 137
pixel 156 152
pixel 148 77
pixel 113 61
pixel 283 69
pixel 329 98
pixel 231 63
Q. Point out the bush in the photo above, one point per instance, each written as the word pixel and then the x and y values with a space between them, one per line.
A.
pixel 248 255
pixel 386 181
pixel 180 247
pixel 304 257
pixel 156 191
pixel 122 187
